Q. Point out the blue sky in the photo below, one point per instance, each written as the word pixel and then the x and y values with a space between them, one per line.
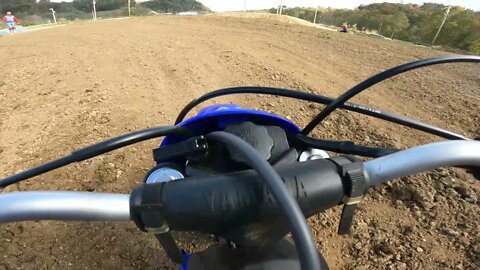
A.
pixel 232 5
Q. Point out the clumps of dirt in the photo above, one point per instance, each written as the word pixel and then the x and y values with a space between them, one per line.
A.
pixel 432 211
pixel 424 221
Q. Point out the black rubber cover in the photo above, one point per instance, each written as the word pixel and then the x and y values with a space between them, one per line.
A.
pixel 221 204
pixel 255 135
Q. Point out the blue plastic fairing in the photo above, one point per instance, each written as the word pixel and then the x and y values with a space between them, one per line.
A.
pixel 217 117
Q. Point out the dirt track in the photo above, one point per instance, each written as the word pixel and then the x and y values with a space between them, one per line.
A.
pixel 64 88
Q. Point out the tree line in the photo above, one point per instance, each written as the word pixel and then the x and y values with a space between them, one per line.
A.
pixel 32 7
pixel 409 22
pixel 174 6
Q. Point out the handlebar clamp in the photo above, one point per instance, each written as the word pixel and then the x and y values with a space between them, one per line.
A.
pixel 356 184
pixel 145 208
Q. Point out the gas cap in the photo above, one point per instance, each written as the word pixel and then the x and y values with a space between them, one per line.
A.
pixel 312 154
pixel 163 174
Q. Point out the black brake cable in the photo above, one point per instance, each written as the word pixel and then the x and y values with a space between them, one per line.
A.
pixel 342 147
pixel 377 113
pixel 304 242
pixel 342 99
pixel 96 150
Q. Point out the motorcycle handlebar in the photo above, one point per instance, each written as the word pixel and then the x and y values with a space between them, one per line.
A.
pixel 213 203
pixel 59 205
pixel 423 158
pixel 208 203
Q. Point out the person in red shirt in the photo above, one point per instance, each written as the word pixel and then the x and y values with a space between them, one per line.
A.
pixel 344 28
pixel 11 22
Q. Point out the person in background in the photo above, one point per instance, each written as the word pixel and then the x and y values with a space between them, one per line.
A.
pixel 11 22
pixel 344 28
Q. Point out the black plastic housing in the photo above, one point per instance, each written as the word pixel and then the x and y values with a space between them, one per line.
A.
pixel 220 204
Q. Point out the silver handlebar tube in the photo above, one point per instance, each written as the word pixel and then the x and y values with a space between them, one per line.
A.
pixel 423 158
pixel 57 205
pixel 84 206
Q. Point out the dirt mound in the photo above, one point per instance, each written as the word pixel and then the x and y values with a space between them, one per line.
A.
pixel 67 87
pixel 271 17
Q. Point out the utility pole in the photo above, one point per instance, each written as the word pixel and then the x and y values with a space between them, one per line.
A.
pixel 281 7
pixel 244 5
pixel 94 10
pixel 129 10
pixel 53 14
pixel 441 25
pixel 315 17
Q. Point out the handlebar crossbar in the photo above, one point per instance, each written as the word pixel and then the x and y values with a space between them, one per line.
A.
pixel 423 158
pixel 85 206
pixel 59 205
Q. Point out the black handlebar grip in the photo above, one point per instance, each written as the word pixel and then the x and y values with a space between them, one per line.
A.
pixel 212 204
